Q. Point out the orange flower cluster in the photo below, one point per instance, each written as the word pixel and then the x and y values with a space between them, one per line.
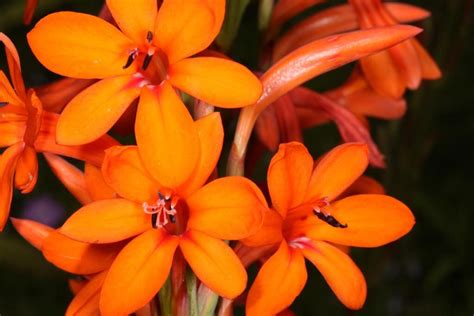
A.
pixel 161 228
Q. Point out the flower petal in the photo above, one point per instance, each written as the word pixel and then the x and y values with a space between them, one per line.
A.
pixel 337 170
pixel 217 81
pixel 33 232
pixel 227 208
pixel 7 94
pixel 279 281
pixel 192 30
pixel 98 189
pixel 70 176
pixel 86 301
pixel 340 272
pixel 95 110
pixel 429 68
pixel 125 173
pixel 214 263
pixel 14 67
pixel 134 17
pixel 269 233
pixel 211 137
pixel 288 176
pixel 78 257
pixel 137 273
pixel 8 161
pixel 382 74
pixel 106 221
pixel 372 220
pixel 171 152
pixel 80 46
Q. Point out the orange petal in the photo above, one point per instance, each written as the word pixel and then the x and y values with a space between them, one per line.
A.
pixel 192 30
pixel 14 67
pixel 98 189
pixel 80 46
pixel 227 208
pixel 70 176
pixel 337 171
pixel 267 128
pixel 211 137
pixel 125 173
pixel 340 272
pixel 429 68
pixel 365 185
pixel 46 142
pixel 373 220
pixel 171 152
pixel 106 221
pixel 285 10
pixel 269 233
pixel 26 172
pixel 217 81
pixel 137 273
pixel 8 161
pixel 279 281
pixel 382 75
pixel 214 263
pixel 368 102
pixel 7 94
pixel 134 17
pixel 406 58
pixel 288 176
pixel 34 232
pixel 56 95
pixel 86 301
pixel 95 110
pixel 78 257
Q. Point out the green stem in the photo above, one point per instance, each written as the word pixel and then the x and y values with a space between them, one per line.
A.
pixel 207 301
pixel 164 296
pixel 191 286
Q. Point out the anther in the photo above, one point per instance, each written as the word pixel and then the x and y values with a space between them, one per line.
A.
pixel 154 216
pixel 149 37
pixel 148 57
pixel 331 220
pixel 131 57
pixel 3 104
pixel 326 216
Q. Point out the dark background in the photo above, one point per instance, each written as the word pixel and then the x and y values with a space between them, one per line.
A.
pixel 429 167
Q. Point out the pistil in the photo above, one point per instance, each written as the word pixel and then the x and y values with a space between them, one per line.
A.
pixel 162 211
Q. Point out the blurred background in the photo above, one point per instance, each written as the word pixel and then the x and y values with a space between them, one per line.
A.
pixel 429 167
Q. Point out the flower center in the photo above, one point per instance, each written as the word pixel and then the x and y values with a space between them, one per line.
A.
pixel 154 63
pixel 322 209
pixel 169 211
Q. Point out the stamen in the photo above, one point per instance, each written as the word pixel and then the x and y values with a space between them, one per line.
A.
pixel 131 57
pixel 3 104
pixel 148 57
pixel 326 216
pixel 162 210
pixel 149 37
pixel 300 242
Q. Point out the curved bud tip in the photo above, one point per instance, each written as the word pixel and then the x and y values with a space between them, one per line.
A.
pixel 34 232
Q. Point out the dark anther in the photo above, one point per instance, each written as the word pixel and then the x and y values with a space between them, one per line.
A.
pixel 153 220
pixel 146 61
pixel 329 219
pixel 161 196
pixel 149 37
pixel 3 104
pixel 172 218
pixel 131 58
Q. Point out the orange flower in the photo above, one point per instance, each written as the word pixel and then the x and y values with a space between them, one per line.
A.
pixel 401 66
pixel 334 20
pixel 165 205
pixel 306 219
pixel 26 129
pixel 151 47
